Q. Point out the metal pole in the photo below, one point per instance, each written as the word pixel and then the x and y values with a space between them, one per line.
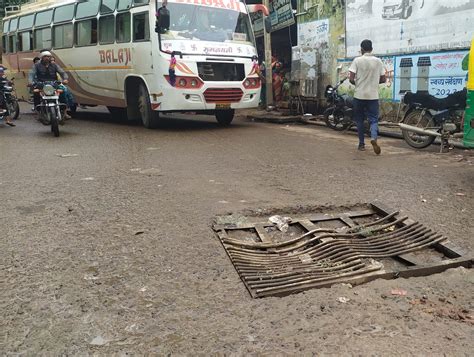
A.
pixel 267 42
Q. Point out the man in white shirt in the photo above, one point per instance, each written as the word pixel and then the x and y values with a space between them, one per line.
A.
pixel 366 73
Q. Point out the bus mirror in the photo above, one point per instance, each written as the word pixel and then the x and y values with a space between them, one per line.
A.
pixel 162 20
pixel 268 24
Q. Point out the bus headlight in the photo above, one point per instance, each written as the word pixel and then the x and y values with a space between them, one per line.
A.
pixel 185 82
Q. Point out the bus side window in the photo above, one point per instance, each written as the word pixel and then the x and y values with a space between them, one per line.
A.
pixel 86 32
pixel 124 5
pixel 123 30
pixel 62 36
pixel 107 6
pixel 4 44
pixel 141 29
pixel 12 44
pixel 25 41
pixel 42 38
pixel 106 29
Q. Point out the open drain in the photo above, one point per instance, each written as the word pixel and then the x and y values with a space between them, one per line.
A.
pixel 323 249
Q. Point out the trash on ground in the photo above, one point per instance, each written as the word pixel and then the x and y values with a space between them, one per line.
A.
pixel 281 222
pixel 87 179
pixel 343 300
pixel 306 258
pixel 460 194
pixel 98 341
pixel 67 155
pixel 399 292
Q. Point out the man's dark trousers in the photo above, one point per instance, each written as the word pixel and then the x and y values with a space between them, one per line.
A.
pixel 364 108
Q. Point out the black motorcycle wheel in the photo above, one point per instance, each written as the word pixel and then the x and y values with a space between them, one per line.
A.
pixel 13 108
pixel 334 119
pixel 419 141
pixel 54 121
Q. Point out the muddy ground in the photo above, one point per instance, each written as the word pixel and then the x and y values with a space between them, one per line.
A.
pixel 107 246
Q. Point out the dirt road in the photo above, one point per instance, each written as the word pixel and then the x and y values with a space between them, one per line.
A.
pixel 106 245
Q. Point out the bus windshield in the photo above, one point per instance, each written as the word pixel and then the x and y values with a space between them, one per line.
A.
pixel 206 23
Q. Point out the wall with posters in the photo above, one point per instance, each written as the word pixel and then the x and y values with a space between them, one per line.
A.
pixel 409 26
pixel 321 26
pixel 438 73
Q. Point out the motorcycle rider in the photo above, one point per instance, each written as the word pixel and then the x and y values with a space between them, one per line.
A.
pixel 3 104
pixel 45 71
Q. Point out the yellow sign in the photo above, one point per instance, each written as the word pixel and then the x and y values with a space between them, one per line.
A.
pixel 470 82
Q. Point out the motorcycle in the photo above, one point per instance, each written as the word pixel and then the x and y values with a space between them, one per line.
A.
pixel 50 110
pixel 7 91
pixel 427 117
pixel 338 115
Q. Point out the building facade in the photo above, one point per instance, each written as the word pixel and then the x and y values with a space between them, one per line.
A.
pixel 424 44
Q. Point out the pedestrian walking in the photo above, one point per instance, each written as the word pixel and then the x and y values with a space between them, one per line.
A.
pixel 366 73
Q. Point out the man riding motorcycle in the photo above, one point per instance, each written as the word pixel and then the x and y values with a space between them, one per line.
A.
pixel 45 71
pixel 3 104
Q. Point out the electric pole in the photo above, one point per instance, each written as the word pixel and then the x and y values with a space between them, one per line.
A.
pixel 267 43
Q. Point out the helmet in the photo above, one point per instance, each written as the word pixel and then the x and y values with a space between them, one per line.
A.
pixel 45 53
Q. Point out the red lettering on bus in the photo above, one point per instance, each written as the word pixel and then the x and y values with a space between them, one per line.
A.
pixel 123 55
pixel 120 55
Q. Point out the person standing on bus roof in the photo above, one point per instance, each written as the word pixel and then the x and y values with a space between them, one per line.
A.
pixel 45 71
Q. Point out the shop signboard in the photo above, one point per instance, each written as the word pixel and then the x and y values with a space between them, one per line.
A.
pixel 281 15
pixel 409 26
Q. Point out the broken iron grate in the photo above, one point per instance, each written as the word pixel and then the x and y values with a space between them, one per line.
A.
pixel 323 249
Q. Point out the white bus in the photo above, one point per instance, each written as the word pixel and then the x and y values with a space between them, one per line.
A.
pixel 116 55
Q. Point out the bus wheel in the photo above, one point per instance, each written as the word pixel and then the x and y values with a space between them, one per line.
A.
pixel 224 117
pixel 150 117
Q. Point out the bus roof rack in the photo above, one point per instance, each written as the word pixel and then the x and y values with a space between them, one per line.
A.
pixel 12 9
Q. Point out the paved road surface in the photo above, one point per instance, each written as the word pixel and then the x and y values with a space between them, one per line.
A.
pixel 106 245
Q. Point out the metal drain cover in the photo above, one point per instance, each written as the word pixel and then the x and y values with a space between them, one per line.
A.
pixel 341 246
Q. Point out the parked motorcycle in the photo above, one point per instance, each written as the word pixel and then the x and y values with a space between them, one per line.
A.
pixel 338 115
pixel 427 117
pixel 7 91
pixel 50 109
